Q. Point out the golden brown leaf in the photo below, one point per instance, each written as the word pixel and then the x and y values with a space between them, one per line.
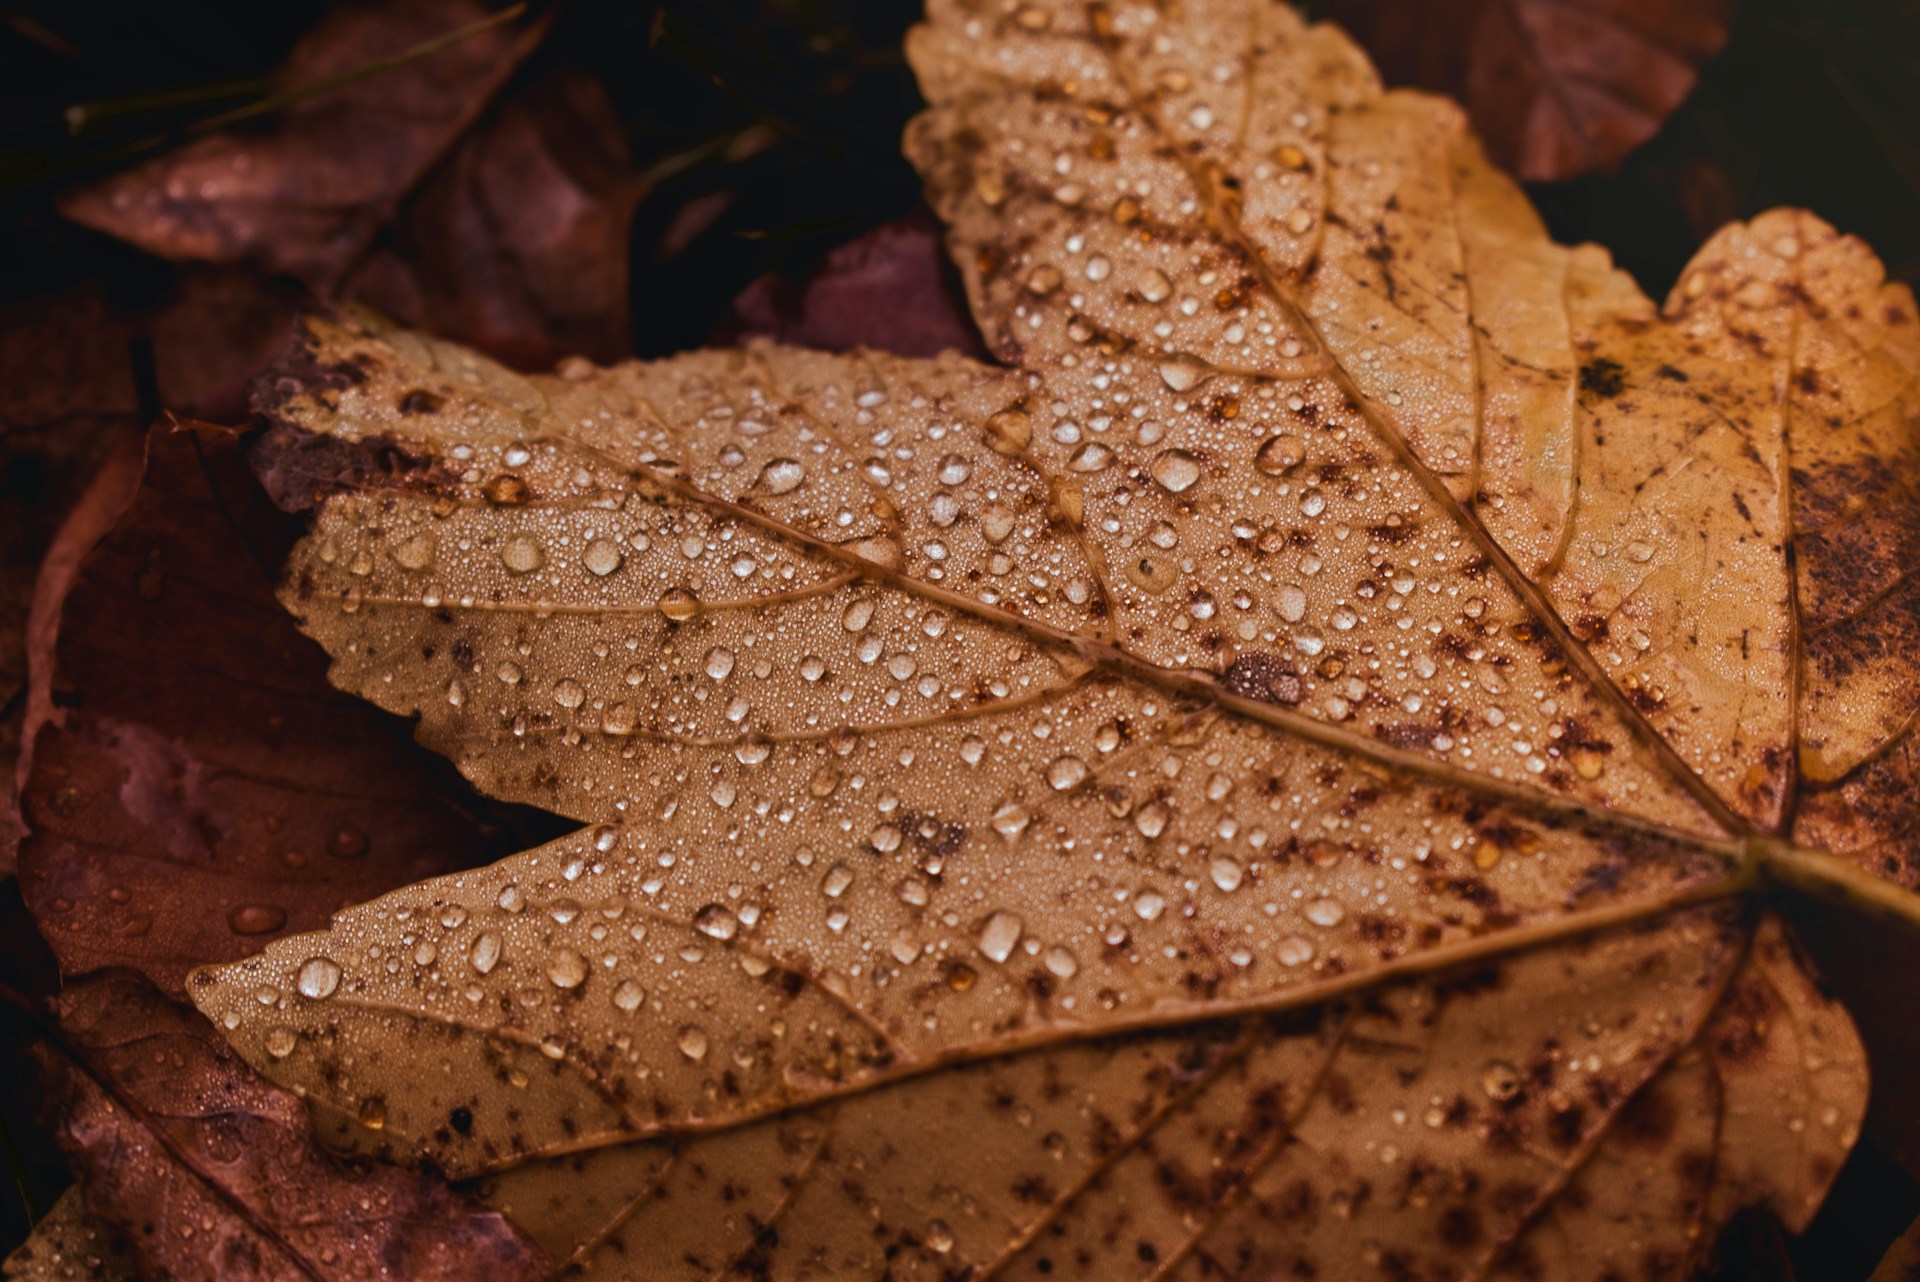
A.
pixel 1270 779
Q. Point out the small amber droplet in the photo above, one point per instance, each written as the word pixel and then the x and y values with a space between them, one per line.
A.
pixel 506 490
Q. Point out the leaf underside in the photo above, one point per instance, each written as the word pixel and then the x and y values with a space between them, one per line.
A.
pixel 1264 779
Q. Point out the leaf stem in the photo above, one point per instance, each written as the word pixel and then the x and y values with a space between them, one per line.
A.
pixel 1833 879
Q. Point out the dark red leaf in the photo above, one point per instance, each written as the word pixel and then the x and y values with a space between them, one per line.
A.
pixel 66 392
pixel 212 1173
pixel 200 788
pixel 519 243
pixel 306 193
pixel 892 288
pixel 1555 87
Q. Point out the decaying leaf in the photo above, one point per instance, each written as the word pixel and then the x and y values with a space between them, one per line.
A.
pixel 1266 782
pixel 1556 88
pixel 891 288
pixel 71 1244
pixel 307 195
pixel 519 243
pixel 210 1172
pixel 200 789
pixel 66 397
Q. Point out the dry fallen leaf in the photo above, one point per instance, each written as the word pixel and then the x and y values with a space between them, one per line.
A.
pixel 1272 779
pixel 1556 88
pixel 209 1172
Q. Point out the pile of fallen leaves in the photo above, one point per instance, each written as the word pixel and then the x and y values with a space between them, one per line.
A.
pixel 1267 721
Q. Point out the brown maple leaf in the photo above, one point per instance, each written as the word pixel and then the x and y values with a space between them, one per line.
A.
pixel 1272 778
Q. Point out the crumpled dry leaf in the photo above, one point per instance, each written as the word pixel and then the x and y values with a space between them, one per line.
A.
pixel 1270 781
pixel 306 194
pixel 201 789
pixel 71 1244
pixel 1556 88
pixel 209 1172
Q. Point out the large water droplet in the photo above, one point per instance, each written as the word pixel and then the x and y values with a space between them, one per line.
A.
pixel 485 954
pixel 417 552
pixel 522 555
pixel 1279 454
pixel 1227 873
pixel 693 1042
pixel 1325 912
pixel 1175 471
pixel 716 921
pixel 1065 772
pixel 679 604
pixel 566 968
pixel 1000 935
pixel 318 977
pixel 1501 1081
pixel 1062 963
pixel 1009 431
pixel 782 476
pixel 602 557
pixel 629 995
pixel 1183 373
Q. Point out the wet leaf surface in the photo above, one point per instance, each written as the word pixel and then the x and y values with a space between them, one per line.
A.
pixel 208 1171
pixel 1269 777
pixel 1556 89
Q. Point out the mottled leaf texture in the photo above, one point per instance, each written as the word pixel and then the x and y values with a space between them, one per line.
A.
pixel 1263 782
pixel 210 1172
pixel 1557 88
pixel 71 1244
